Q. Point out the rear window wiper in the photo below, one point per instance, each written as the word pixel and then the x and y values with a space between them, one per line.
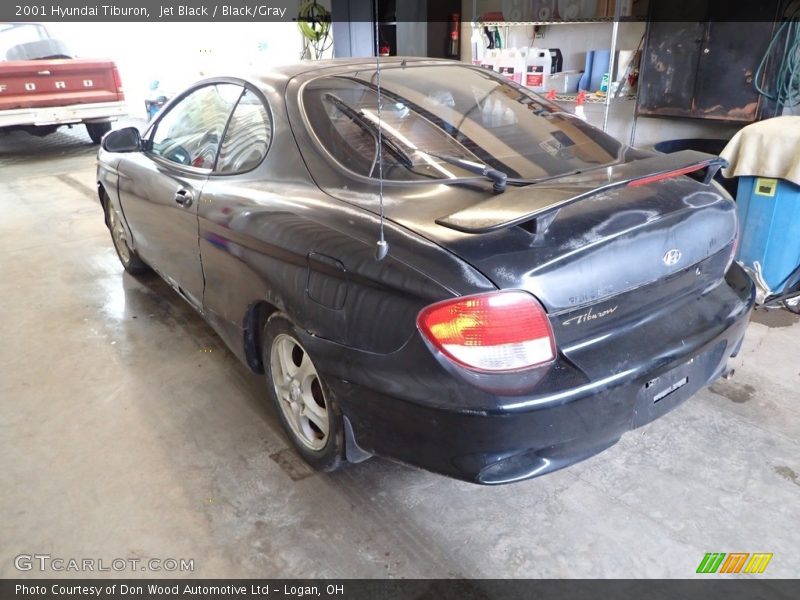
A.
pixel 396 148
pixel 359 118
pixel 498 178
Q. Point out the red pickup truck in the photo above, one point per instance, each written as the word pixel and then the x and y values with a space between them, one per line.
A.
pixel 42 87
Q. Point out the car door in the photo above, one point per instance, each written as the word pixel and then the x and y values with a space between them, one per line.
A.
pixel 233 208
pixel 160 188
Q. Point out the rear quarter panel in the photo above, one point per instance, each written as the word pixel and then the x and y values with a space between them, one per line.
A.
pixel 314 258
pixel 273 236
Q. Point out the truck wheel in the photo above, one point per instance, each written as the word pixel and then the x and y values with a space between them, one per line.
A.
pixel 97 131
pixel 307 410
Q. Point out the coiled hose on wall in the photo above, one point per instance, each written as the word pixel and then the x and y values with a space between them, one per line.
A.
pixel 784 88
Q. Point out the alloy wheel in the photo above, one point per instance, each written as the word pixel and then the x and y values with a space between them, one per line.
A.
pixel 299 390
pixel 118 236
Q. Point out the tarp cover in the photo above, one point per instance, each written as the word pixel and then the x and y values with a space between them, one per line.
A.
pixel 769 148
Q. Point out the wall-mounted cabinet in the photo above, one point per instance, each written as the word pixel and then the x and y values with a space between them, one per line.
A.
pixel 706 69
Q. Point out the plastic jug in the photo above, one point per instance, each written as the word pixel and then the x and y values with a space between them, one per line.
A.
pixel 512 64
pixel 491 59
pixel 538 69
pixel 478 49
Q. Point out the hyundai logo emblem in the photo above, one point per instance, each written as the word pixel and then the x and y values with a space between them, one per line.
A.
pixel 672 257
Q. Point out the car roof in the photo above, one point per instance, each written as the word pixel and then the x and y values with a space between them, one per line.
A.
pixel 286 72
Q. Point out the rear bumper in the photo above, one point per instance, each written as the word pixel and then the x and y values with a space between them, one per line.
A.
pixel 410 413
pixel 63 115
pixel 514 445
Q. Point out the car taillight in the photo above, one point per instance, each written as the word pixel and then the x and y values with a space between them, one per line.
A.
pixel 497 331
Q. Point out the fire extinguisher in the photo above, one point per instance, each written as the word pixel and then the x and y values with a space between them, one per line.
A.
pixel 454 48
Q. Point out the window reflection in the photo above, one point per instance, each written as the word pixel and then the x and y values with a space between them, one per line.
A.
pixel 454 110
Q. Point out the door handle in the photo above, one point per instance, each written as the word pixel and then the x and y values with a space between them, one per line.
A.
pixel 184 198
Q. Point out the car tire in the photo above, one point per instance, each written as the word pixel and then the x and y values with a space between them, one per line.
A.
pixel 96 131
pixel 130 260
pixel 306 408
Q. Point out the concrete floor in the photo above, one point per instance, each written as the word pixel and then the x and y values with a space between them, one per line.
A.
pixel 128 430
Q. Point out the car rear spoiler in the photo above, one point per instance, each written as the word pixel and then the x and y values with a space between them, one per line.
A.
pixel 525 204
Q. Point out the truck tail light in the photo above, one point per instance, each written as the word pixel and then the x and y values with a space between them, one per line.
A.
pixel 497 331
pixel 117 81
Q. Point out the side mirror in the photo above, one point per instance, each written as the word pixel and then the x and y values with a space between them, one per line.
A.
pixel 127 139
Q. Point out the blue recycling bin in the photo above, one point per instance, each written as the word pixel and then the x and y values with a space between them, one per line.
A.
pixel 769 229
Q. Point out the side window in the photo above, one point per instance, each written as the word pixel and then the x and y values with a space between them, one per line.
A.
pixel 189 134
pixel 248 136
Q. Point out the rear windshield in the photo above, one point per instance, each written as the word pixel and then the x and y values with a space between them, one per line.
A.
pixel 450 110
pixel 16 34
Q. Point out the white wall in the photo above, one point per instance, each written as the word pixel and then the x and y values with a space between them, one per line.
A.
pixel 650 131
